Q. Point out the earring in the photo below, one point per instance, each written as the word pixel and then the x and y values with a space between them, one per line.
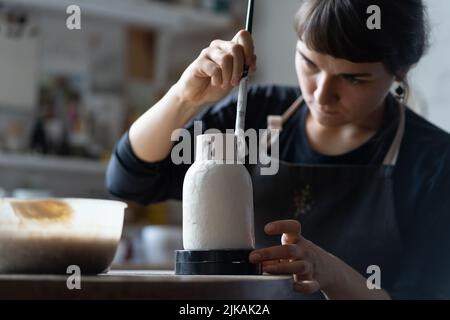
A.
pixel 400 93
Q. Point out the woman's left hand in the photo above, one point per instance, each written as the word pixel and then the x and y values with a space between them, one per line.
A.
pixel 309 264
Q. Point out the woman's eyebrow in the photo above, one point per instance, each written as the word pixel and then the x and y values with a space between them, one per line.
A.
pixel 356 75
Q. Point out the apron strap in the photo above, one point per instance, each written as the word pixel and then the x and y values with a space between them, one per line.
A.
pixel 292 109
pixel 276 122
pixel 392 155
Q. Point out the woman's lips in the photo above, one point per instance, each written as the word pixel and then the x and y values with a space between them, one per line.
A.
pixel 327 110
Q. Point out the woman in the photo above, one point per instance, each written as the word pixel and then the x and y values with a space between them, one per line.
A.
pixel 363 181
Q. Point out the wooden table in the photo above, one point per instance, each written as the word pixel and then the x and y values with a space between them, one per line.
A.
pixel 142 284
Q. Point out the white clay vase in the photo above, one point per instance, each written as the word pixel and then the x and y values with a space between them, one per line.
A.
pixel 217 198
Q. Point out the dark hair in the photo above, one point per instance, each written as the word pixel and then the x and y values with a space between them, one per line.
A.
pixel 339 28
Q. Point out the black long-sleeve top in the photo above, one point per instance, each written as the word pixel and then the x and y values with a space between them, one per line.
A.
pixel 421 177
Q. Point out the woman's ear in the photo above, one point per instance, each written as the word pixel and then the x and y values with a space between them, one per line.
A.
pixel 401 75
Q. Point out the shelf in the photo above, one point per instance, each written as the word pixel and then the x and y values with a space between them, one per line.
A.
pixel 52 163
pixel 174 18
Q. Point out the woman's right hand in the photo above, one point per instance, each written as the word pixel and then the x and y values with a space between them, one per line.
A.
pixel 216 71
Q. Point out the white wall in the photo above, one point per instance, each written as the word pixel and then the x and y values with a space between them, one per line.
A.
pixel 275 41
pixel 431 78
pixel 275 46
pixel 18 71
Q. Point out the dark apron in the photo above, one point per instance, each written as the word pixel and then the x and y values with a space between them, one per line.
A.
pixel 346 210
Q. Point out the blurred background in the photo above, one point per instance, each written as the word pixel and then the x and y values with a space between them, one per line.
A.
pixel 66 96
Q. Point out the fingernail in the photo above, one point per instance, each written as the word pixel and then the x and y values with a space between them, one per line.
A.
pixel 269 228
pixel 235 82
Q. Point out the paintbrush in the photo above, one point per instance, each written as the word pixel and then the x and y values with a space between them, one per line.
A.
pixel 242 96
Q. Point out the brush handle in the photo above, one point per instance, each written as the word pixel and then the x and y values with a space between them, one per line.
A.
pixel 241 105
pixel 242 96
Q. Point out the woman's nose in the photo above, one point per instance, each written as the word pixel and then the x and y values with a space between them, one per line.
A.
pixel 325 93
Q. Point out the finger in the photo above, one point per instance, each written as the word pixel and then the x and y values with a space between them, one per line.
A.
pixel 307 286
pixel 225 61
pixel 290 238
pixel 270 262
pixel 253 64
pixel 238 55
pixel 303 277
pixel 298 267
pixel 283 226
pixel 244 38
pixel 291 228
pixel 238 63
pixel 212 70
pixel 289 251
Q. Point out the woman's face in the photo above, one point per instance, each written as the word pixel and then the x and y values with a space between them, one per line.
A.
pixel 339 92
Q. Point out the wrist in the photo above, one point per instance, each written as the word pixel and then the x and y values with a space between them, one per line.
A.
pixel 328 268
pixel 337 277
pixel 179 100
pixel 344 282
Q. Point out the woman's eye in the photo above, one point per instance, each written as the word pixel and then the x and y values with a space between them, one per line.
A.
pixel 353 81
pixel 309 64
